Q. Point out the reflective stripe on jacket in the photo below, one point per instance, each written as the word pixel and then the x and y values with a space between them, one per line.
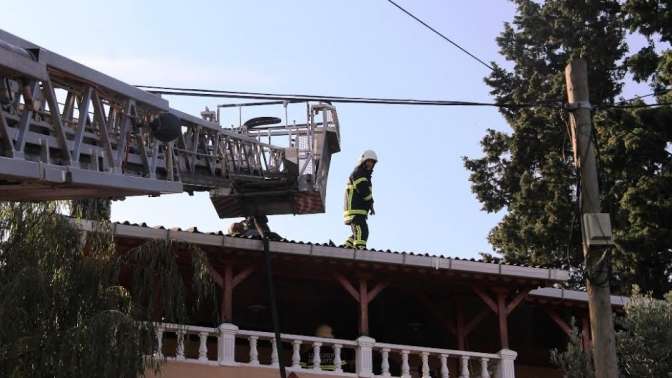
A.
pixel 358 194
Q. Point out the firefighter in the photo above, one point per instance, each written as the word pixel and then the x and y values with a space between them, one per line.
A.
pixel 359 200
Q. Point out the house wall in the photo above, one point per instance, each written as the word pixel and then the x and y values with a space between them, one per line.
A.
pixel 175 369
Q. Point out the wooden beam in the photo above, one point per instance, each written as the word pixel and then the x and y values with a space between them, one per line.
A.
pixel 376 290
pixel 503 324
pixel 558 320
pixel 585 335
pixel 241 276
pixel 488 301
pixel 215 275
pixel 363 308
pixel 347 286
pixel 516 301
pixel 227 302
pixel 474 322
pixel 461 335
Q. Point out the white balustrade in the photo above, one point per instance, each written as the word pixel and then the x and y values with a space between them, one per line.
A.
pixel 296 354
pixel 385 364
pixel 180 344
pixel 337 358
pixel 316 356
pixel 159 342
pixel 484 368
pixel 181 334
pixel 464 367
pixel 203 346
pixel 425 365
pixel 308 352
pixel 429 362
pixel 405 369
pixel 434 362
pixel 445 373
pixel 254 353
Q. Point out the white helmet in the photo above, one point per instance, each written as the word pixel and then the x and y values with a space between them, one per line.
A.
pixel 368 155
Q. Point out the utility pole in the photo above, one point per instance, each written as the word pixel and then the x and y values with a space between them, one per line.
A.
pixel 596 228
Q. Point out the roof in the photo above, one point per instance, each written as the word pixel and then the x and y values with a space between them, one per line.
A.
pixel 291 247
pixel 574 295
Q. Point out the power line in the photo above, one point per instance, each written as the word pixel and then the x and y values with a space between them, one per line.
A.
pixel 632 106
pixel 194 92
pixel 656 93
pixel 279 98
pixel 441 35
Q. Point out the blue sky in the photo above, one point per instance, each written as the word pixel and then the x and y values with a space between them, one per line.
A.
pixel 346 48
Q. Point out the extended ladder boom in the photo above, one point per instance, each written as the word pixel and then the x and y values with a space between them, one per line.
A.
pixel 68 131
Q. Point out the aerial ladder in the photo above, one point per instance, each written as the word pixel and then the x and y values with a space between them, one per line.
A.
pixel 70 132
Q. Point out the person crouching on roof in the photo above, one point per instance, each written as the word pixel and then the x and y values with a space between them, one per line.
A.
pixel 359 200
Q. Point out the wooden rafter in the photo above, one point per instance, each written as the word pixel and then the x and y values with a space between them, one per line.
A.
pixel 363 296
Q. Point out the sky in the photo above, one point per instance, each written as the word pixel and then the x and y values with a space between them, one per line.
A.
pixel 369 48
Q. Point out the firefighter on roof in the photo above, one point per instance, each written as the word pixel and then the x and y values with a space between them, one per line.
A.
pixel 359 200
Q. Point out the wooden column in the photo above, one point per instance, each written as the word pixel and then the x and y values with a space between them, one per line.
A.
pixel 227 283
pixel 363 308
pixel 502 316
pixel 363 296
pixel 501 308
pixel 227 295
pixel 461 334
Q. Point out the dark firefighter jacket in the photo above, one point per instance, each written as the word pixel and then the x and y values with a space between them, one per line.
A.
pixel 358 194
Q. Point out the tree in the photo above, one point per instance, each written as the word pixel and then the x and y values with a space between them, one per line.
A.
pixel 643 342
pixel 530 172
pixel 63 310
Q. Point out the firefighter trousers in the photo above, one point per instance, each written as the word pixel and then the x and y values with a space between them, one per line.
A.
pixel 360 233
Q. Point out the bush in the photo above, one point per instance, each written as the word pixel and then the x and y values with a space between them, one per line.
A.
pixel 643 342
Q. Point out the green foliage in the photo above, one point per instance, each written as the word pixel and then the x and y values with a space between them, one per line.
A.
pixel 92 209
pixel 58 317
pixel 574 362
pixel 645 340
pixel 158 283
pixel 530 172
pixel 63 312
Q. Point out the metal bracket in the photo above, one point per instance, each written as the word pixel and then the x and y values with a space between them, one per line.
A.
pixel 578 105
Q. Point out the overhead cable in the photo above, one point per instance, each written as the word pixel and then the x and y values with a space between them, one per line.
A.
pixel 333 99
pixel 440 34
pixel 278 98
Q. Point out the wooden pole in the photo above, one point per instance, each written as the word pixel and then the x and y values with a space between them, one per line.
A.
pixel 363 308
pixel 502 316
pixel 599 303
pixel 460 325
pixel 227 303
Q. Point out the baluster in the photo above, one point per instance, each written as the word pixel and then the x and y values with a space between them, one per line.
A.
pixel 296 356
pixel 203 348
pixel 274 353
pixel 385 365
pixel 180 344
pixel 159 342
pixel 405 369
pixel 484 368
pixel 254 354
pixel 316 355
pixel 337 358
pixel 445 373
pixel 425 365
pixel 464 373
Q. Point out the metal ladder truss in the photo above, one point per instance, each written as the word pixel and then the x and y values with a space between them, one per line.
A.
pixel 69 132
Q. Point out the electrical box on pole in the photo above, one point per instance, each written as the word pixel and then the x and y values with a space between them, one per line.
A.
pixel 595 225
